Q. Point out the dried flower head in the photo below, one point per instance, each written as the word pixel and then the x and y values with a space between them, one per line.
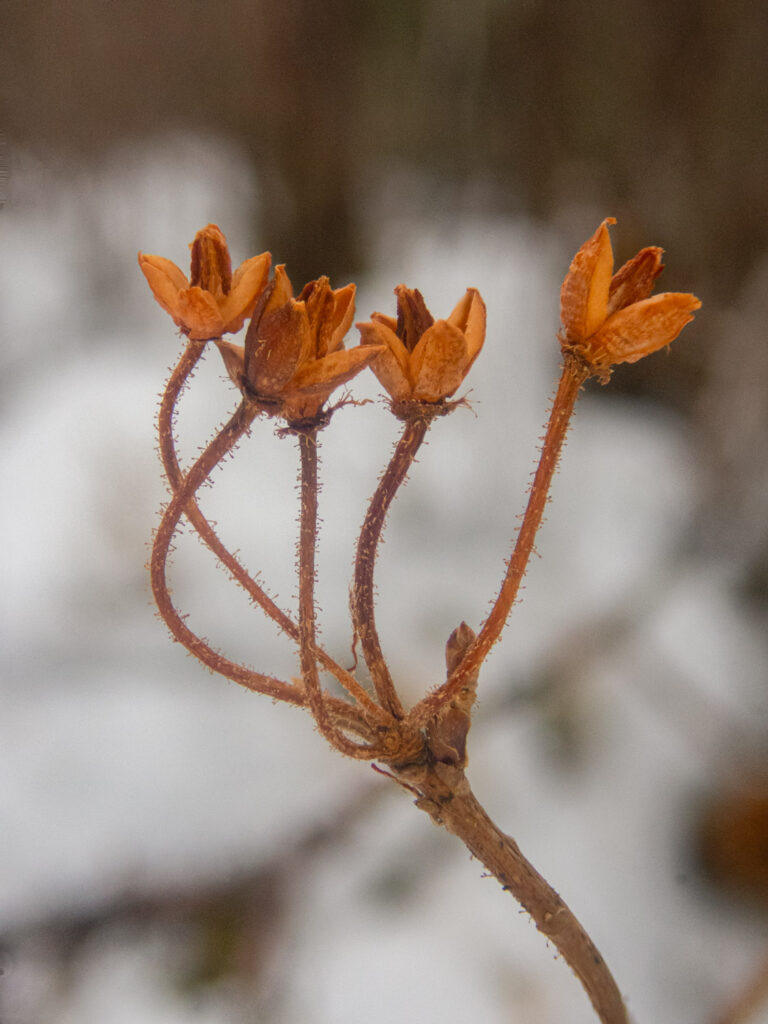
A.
pixel 423 359
pixel 293 357
pixel 214 301
pixel 609 318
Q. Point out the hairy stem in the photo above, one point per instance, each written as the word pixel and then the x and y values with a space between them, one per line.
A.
pixel 343 714
pixel 207 534
pixel 315 697
pixel 445 794
pixel 363 611
pixel 573 377
pixel 218 448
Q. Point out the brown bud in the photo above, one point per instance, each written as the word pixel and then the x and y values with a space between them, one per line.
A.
pixel 447 732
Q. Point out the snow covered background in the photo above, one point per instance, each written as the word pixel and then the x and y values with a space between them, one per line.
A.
pixel 132 781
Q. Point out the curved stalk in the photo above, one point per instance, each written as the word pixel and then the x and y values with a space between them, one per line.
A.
pixel 315 697
pixel 178 379
pixel 574 374
pixel 362 602
pixel 221 444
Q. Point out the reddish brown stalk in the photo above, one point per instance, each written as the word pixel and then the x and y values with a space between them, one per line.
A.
pixel 574 374
pixel 445 794
pixel 218 448
pixel 363 611
pixel 316 699
pixel 343 714
pixel 207 534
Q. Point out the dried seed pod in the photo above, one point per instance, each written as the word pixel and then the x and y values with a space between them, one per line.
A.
pixel 423 359
pixel 612 318
pixel 214 301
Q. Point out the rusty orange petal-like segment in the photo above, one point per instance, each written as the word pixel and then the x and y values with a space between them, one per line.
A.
pixel 387 321
pixel 584 294
pixel 325 375
pixel 343 314
pixel 642 328
pixel 318 298
pixel 248 282
pixel 306 332
pixel 282 292
pixel 165 279
pixel 161 265
pixel 392 364
pixel 634 281
pixel 199 315
pixel 283 335
pixel 251 271
pixel 469 316
pixel 439 362
pixel 324 315
pixel 460 313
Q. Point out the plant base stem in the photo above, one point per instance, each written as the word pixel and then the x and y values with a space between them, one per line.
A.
pixel 445 794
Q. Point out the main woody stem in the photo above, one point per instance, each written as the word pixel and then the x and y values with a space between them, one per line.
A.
pixel 445 794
